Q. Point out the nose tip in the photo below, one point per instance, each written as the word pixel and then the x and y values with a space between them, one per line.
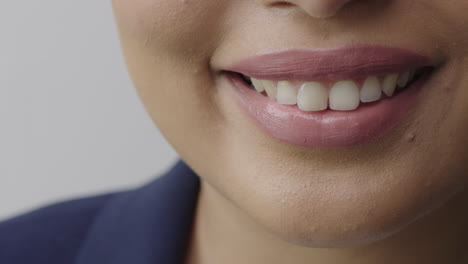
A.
pixel 315 8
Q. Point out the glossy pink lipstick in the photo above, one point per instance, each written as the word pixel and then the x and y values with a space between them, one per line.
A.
pixel 329 64
pixel 327 128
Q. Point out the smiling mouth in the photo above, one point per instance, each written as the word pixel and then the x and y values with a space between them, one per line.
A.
pixel 333 97
pixel 341 95
pixel 340 80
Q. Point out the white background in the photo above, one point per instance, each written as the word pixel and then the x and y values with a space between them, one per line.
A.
pixel 71 122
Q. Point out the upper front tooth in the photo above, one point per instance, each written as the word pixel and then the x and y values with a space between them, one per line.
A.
pixel 270 88
pixel 258 85
pixel 286 94
pixel 344 95
pixel 371 90
pixel 403 79
pixel 312 96
pixel 389 84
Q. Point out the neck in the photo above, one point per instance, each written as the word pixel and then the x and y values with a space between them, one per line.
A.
pixel 222 233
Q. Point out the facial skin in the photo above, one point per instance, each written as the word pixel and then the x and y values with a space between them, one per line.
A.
pixel 309 197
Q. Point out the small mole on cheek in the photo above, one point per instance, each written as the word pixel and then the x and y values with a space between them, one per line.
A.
pixel 410 137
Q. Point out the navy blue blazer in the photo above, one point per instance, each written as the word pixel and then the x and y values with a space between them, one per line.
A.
pixel 148 225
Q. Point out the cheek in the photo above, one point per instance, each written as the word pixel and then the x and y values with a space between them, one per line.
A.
pixel 176 26
pixel 167 45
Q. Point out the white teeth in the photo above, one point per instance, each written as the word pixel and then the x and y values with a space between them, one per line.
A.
pixel 403 79
pixel 286 94
pixel 344 96
pixel 270 88
pixel 371 91
pixel 258 85
pixel 312 96
pixel 389 84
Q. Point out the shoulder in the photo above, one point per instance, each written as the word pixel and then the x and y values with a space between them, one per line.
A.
pixel 149 224
pixel 52 234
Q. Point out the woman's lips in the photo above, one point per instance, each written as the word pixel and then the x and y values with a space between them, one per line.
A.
pixel 327 128
pixel 329 64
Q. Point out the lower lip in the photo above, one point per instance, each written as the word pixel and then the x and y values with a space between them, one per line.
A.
pixel 328 128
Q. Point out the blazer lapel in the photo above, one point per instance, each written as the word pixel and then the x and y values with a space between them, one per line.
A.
pixel 149 225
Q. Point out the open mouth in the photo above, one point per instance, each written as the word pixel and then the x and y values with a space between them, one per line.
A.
pixel 330 98
pixel 341 95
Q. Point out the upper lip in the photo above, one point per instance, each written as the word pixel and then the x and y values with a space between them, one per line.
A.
pixel 330 64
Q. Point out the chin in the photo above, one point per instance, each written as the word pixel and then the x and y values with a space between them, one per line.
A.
pixel 355 227
pixel 349 211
